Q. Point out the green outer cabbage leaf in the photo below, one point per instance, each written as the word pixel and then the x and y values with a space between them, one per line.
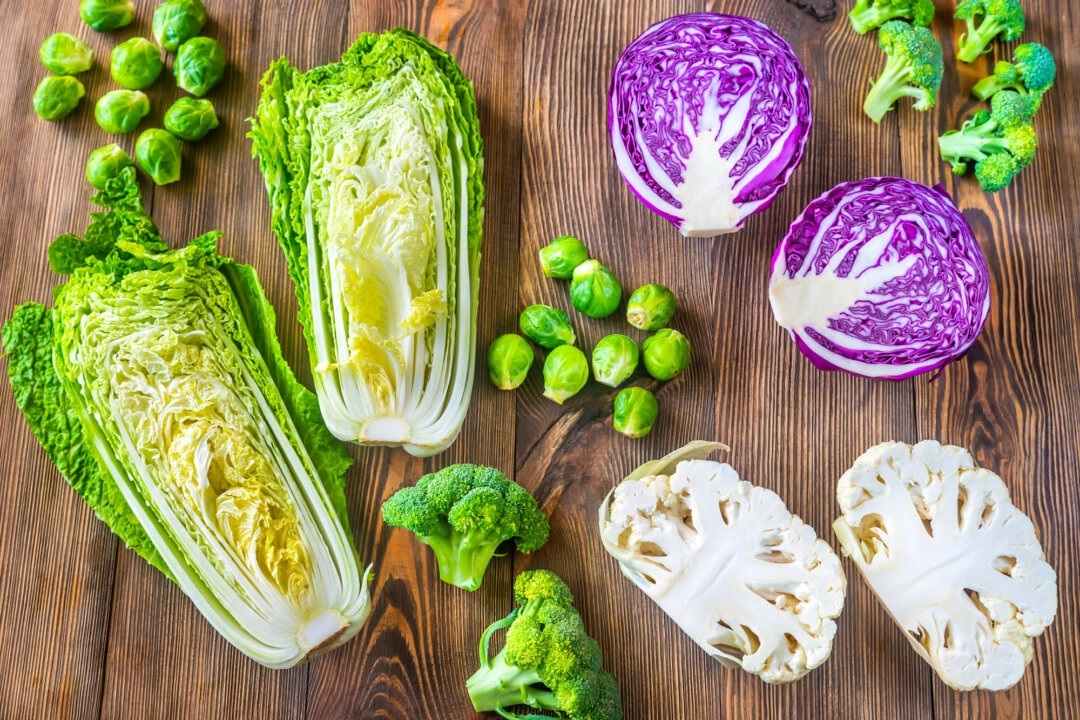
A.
pixel 373 166
pixel 157 386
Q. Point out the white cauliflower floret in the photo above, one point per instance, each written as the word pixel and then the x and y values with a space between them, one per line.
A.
pixel 751 583
pixel 955 563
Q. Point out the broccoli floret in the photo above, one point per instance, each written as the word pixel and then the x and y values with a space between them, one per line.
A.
pixel 869 14
pixel 464 513
pixel 999 143
pixel 1003 18
pixel 913 69
pixel 1031 72
pixel 549 662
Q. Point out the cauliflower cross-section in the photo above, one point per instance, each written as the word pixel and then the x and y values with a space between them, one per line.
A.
pixel 751 583
pixel 954 562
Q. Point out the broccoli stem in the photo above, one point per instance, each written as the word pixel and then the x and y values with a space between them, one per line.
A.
pixel 887 89
pixel 499 684
pixel 987 87
pixel 975 41
pixel 866 19
pixel 463 557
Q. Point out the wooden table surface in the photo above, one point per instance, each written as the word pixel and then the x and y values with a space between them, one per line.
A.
pixel 89 630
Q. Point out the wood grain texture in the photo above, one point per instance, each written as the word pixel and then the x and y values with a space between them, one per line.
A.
pixel 89 630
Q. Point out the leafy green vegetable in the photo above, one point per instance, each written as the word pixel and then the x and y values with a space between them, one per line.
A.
pixel 190 119
pixel 64 54
pixel 565 372
pixel 177 21
pixel 120 111
pixel 199 65
pixel 560 256
pixel 650 307
pixel 106 15
pixel 158 154
pixel 614 359
pixel 464 513
pixel 635 412
pixel 594 291
pixel 135 63
pixel 157 387
pixel 57 96
pixel 105 163
pixel 546 326
pixel 509 360
pixel 665 354
pixel 374 170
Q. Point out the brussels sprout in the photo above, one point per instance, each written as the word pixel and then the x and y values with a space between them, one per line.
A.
pixel 190 119
pixel 158 154
pixel 56 97
pixel 546 326
pixel 565 372
pixel 509 360
pixel 614 359
pixel 594 291
pixel 65 54
pixel 136 63
pixel 199 65
pixel 635 412
pixel 650 307
pixel 105 15
pixel 120 111
pixel 561 256
pixel 666 354
pixel 177 21
pixel 105 163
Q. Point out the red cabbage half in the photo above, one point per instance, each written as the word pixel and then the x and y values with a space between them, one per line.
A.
pixel 708 116
pixel 882 278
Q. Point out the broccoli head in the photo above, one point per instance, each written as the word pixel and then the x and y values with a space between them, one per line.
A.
pixel 913 69
pixel 548 662
pixel 1004 18
pixel 464 513
pixel 1031 72
pixel 998 143
pixel 869 14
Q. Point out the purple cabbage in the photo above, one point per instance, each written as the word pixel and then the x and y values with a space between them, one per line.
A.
pixel 881 278
pixel 708 116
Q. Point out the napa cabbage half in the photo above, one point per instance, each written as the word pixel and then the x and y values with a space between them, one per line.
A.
pixel 373 167
pixel 157 387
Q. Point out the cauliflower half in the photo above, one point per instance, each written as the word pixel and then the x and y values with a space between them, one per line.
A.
pixel 751 583
pixel 955 563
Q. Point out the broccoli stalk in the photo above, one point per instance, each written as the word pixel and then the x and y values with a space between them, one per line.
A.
pixel 548 663
pixel 999 17
pixel 1031 72
pixel 869 14
pixel 999 143
pixel 464 513
pixel 913 69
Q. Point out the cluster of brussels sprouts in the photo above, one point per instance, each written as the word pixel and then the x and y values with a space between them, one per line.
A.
pixel 135 65
pixel 594 292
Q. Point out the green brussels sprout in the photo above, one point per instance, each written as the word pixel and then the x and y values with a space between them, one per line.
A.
pixel 561 256
pixel 650 307
pixel 120 111
pixel 546 326
pixel 105 163
pixel 105 15
pixel 177 21
pixel 635 412
pixel 666 354
pixel 190 119
pixel 57 96
pixel 565 372
pixel 65 54
pixel 594 291
pixel 614 359
pixel 509 360
pixel 136 63
pixel 199 65
pixel 158 154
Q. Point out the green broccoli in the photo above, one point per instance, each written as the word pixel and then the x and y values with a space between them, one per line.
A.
pixel 549 662
pixel 869 14
pixel 913 69
pixel 1000 143
pixel 1030 73
pixel 1003 18
pixel 464 513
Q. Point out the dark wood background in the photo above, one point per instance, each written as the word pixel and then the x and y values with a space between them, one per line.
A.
pixel 89 630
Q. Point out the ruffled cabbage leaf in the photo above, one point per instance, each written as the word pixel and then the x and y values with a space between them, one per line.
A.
pixel 157 386
pixel 373 168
